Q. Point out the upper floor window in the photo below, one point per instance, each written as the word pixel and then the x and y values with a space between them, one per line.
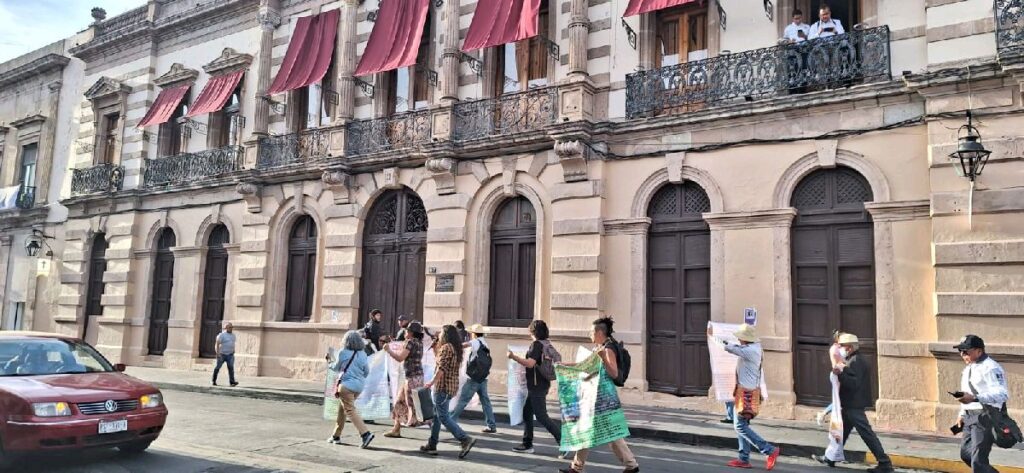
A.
pixel 845 12
pixel 524 64
pixel 681 35
pixel 27 174
pixel 224 124
pixel 110 126
pixel 169 134
pixel 409 87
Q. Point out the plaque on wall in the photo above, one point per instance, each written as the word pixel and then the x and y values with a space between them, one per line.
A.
pixel 444 283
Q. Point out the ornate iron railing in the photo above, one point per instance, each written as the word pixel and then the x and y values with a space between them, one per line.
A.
pixel 294 148
pixel 399 131
pixel 508 114
pixel 855 57
pixel 1009 24
pixel 98 178
pixel 26 197
pixel 191 167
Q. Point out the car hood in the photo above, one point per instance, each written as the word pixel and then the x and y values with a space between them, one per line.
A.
pixel 84 387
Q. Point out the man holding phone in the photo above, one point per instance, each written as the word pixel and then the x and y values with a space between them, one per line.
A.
pixel 826 26
pixel 797 31
pixel 983 383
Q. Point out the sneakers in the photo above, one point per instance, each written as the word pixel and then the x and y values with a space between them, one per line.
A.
pixel 467 445
pixel 726 420
pixel 334 440
pixel 770 463
pixel 738 464
pixel 522 449
pixel 824 461
pixel 213 383
pixel 233 384
pixel 367 438
pixel 631 470
pixel 393 435
pixel 490 430
pixel 429 449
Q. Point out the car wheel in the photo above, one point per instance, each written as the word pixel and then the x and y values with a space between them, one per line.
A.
pixel 135 447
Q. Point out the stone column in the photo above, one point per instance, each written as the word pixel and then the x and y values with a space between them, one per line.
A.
pixel 579 31
pixel 451 55
pixel 269 18
pixel 345 56
pixel 46 144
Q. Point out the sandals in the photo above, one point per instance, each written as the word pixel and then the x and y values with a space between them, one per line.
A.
pixel 393 435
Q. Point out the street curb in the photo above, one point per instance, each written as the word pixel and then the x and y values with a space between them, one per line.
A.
pixel 697 440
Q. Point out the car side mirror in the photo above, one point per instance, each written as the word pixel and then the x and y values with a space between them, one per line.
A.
pixel 119 367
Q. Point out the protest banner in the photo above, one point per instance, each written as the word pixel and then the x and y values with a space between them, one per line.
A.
pixel 374 402
pixel 331 403
pixel 723 363
pixel 396 374
pixel 591 412
pixel 516 386
pixel 834 452
pixel 429 361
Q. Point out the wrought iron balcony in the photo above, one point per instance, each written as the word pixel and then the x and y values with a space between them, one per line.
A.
pixel 294 148
pixel 1009 25
pixel 192 167
pixel 96 179
pixel 26 197
pixel 403 130
pixel 855 57
pixel 505 115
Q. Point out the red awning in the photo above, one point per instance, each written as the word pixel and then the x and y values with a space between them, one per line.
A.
pixel 637 7
pixel 395 38
pixel 498 22
pixel 309 52
pixel 165 104
pixel 215 94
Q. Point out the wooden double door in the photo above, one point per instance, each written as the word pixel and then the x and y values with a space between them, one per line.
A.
pixel 163 283
pixel 214 284
pixel 394 259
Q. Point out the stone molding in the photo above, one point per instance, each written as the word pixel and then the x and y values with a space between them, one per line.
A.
pixel 770 218
pixel 176 75
pixel 898 210
pixel 442 170
pixel 341 184
pixel 33 69
pixel 185 251
pixel 573 156
pixel 809 163
pixel 104 87
pixel 268 18
pixel 250 192
pixel 979 253
pixel 24 122
pixel 228 61
pixel 627 226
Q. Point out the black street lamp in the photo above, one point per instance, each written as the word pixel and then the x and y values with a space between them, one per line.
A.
pixel 970 153
pixel 32 245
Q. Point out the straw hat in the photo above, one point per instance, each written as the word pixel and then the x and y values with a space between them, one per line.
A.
pixel 848 339
pixel 477 328
pixel 746 333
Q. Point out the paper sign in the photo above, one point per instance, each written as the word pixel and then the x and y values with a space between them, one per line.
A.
pixel 723 363
pixel 516 386
pixel 750 316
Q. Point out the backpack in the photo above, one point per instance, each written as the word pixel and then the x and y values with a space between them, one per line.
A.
pixel 623 360
pixel 479 367
pixel 549 357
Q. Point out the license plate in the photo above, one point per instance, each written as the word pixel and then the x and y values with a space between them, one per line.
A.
pixel 109 427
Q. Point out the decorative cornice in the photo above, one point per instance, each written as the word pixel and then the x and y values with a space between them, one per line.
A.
pixel 228 61
pixel 37 118
pixel 627 226
pixel 899 210
pixel 770 218
pixel 34 69
pixel 105 87
pixel 178 74
pixel 185 250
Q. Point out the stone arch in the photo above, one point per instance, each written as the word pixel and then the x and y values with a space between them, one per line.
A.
pixel 280 227
pixel 659 178
pixel 210 222
pixel 367 206
pixel 813 161
pixel 154 232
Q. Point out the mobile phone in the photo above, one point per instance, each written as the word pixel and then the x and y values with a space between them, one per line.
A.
pixel 957 394
pixel 830 29
pixel 956 429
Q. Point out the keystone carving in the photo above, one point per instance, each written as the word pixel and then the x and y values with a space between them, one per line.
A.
pixel 390 179
pixel 341 184
pixel 228 61
pixel 443 172
pixel 251 194
pixel 573 156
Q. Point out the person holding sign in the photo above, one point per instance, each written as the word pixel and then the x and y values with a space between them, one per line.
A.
pixel 537 386
pixel 411 357
pixel 748 396
pixel 446 387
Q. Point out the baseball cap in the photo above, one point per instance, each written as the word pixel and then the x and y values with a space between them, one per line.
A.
pixel 403 318
pixel 970 341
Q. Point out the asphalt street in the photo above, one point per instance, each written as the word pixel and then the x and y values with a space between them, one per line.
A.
pixel 213 434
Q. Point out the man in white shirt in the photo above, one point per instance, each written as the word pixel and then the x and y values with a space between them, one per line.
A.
pixel 477 386
pixel 225 348
pixel 982 384
pixel 826 25
pixel 797 31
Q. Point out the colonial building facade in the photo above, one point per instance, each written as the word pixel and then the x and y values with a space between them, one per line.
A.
pixel 290 165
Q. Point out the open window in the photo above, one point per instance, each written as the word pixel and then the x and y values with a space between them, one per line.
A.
pixel 524 65
pixel 409 87
pixel 224 123
pixel 846 11
pixel 169 134
pixel 681 35
pixel 314 104
pixel 110 126
pixel 27 168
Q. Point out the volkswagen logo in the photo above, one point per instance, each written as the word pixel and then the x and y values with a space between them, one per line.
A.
pixel 111 406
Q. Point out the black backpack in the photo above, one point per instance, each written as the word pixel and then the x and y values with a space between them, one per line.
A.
pixel 479 367
pixel 623 360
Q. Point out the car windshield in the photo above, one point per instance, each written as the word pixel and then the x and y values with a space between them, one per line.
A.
pixel 42 356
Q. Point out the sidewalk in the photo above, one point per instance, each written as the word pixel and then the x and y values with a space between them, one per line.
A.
pixel 914 451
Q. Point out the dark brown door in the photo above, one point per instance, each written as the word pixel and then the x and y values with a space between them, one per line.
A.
pixel 679 294
pixel 94 291
pixel 833 276
pixel 513 264
pixel 298 305
pixel 394 258
pixel 214 284
pixel 163 281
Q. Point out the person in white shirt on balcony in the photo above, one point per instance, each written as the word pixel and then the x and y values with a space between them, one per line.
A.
pixel 826 26
pixel 797 31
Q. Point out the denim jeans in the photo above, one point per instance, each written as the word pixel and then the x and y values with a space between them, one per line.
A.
pixel 748 438
pixel 730 410
pixel 230 361
pixel 468 390
pixel 441 416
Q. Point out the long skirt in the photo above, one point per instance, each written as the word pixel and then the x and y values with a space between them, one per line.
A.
pixel 404 411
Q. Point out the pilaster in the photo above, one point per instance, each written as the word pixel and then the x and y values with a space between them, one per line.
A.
pixel 579 32
pixel 345 54
pixel 451 54
pixel 269 17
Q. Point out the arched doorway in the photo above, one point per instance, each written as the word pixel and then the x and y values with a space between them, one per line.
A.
pixel 301 276
pixel 513 264
pixel 394 258
pixel 833 275
pixel 94 288
pixel 215 280
pixel 679 291
pixel 163 282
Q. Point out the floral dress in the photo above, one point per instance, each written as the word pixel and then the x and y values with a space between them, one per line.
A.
pixel 403 412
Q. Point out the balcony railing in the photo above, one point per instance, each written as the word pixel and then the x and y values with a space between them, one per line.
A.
pixel 505 115
pixel 294 148
pixel 855 57
pixel 192 167
pixel 99 178
pixel 1009 24
pixel 400 131
pixel 26 197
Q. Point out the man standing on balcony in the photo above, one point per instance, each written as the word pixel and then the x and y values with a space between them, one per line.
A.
pixel 826 25
pixel 797 31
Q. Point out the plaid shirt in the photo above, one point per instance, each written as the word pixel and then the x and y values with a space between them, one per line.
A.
pixel 447 362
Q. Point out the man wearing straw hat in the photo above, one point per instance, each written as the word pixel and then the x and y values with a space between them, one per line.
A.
pixel 477 386
pixel 748 379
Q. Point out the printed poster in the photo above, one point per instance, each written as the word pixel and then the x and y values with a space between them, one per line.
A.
pixel 374 403
pixel 516 386
pixel 834 452
pixel 723 363
pixel 331 403
pixel 591 412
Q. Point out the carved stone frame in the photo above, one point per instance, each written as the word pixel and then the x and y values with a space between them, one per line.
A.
pixel 107 96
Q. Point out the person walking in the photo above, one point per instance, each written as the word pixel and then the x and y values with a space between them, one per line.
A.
pixel 982 387
pixel 855 396
pixel 476 384
pixel 446 380
pixel 374 328
pixel 537 387
pixel 352 367
pixel 748 379
pixel 608 349
pixel 224 346
pixel 837 360
pixel 411 357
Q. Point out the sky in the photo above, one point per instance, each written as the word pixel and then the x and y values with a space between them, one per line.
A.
pixel 26 25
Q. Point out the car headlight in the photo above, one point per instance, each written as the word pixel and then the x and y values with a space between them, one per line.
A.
pixel 51 409
pixel 151 400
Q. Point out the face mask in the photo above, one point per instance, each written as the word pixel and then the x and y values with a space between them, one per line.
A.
pixel 844 353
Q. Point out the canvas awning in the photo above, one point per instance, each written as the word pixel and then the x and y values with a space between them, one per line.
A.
pixel 166 102
pixel 309 52
pixel 395 39
pixel 497 22
pixel 215 93
pixel 637 7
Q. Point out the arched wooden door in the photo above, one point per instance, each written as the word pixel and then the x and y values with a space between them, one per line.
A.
pixel 214 284
pixel 94 289
pixel 833 276
pixel 163 282
pixel 679 291
pixel 513 264
pixel 302 243
pixel 394 258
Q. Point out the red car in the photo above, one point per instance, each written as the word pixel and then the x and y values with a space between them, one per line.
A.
pixel 57 393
